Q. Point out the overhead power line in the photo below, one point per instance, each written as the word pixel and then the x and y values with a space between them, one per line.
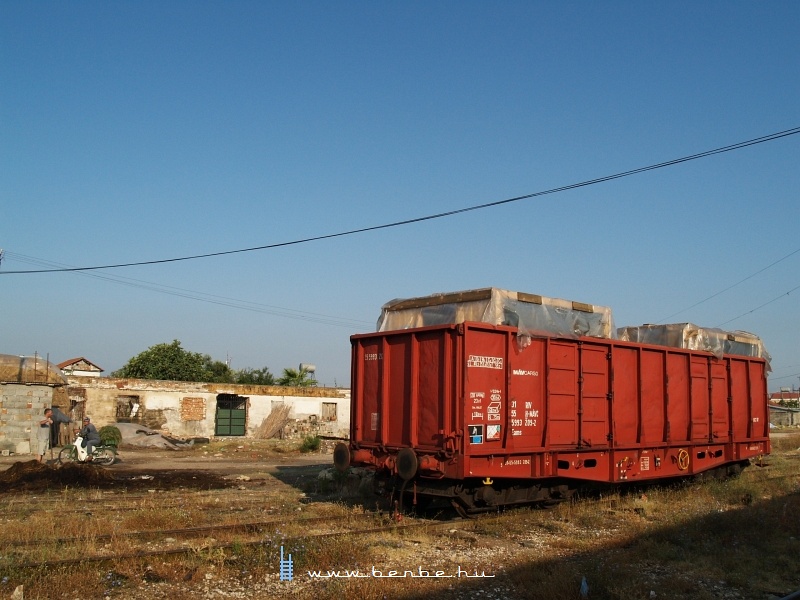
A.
pixel 792 376
pixel 661 165
pixel 752 310
pixel 248 305
pixel 730 287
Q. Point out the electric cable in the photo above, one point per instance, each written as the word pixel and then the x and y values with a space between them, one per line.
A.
pixel 730 287
pixel 792 376
pixel 661 165
pixel 761 306
pixel 208 298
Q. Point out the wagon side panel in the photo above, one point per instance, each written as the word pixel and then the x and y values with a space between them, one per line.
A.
pixel 654 397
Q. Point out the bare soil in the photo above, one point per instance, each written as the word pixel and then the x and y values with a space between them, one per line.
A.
pixel 155 468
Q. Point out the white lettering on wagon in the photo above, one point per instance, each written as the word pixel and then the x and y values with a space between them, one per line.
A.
pixel 485 362
pixel 524 372
pixel 495 405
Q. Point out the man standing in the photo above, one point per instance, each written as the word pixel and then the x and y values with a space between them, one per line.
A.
pixel 43 433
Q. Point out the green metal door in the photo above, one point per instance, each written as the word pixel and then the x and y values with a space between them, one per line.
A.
pixel 231 418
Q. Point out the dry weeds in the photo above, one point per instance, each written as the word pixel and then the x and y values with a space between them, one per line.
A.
pixel 732 539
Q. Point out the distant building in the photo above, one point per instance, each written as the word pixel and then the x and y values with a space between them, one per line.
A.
pixel 784 408
pixel 785 398
pixel 80 367
pixel 781 416
pixel 186 409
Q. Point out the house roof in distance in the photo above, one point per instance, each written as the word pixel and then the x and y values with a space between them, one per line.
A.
pixel 79 364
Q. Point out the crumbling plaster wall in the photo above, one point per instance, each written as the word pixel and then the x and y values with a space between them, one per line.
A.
pixel 188 409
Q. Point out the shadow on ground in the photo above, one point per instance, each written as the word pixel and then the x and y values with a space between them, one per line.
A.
pixel 748 553
pixel 32 476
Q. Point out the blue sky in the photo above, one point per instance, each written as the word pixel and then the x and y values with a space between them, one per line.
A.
pixel 141 131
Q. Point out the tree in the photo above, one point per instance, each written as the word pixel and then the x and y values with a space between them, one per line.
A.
pixel 170 361
pixel 297 378
pixel 166 361
pixel 217 371
pixel 254 377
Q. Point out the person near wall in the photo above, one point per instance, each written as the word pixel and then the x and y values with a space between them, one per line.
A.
pixel 59 418
pixel 43 434
pixel 90 437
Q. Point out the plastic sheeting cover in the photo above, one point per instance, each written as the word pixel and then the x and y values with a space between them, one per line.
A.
pixel 693 337
pixel 528 312
pixel 29 369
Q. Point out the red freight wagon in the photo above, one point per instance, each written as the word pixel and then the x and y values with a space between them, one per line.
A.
pixel 482 416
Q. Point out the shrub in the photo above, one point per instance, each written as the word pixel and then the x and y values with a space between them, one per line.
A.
pixel 110 435
pixel 310 443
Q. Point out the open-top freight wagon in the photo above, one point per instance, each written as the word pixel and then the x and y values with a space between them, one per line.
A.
pixel 489 398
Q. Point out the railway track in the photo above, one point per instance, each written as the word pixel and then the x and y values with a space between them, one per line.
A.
pixel 183 532
pixel 252 536
pixel 245 526
pixel 112 504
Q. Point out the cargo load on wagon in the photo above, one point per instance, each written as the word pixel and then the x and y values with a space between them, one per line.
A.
pixel 527 312
pixel 692 337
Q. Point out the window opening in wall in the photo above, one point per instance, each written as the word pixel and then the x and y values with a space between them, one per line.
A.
pixel 77 408
pixel 77 404
pixel 329 411
pixel 231 416
pixel 127 408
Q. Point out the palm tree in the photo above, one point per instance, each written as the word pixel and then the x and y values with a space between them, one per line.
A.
pixel 297 378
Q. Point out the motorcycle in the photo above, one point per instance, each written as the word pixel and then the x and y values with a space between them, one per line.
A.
pixel 76 452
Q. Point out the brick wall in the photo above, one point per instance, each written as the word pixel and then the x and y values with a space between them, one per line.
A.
pixel 193 409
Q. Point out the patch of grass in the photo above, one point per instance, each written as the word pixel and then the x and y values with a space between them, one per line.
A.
pixel 155 518
pixel 248 446
pixel 786 443
pixel 310 443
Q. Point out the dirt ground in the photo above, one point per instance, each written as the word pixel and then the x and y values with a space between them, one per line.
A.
pixel 213 466
pixel 153 468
